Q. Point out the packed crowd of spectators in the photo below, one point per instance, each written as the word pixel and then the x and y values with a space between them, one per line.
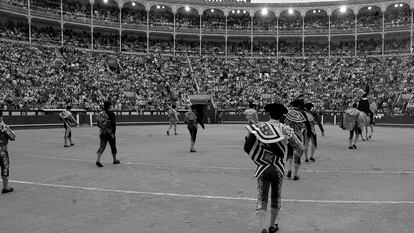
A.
pixel 265 47
pixel 187 46
pixel 290 47
pixel 48 77
pixel 106 41
pixel 132 42
pixel 46 35
pixel 134 16
pixel 184 20
pixel 51 77
pixel 398 18
pixel 370 21
pixel 159 45
pixel 341 22
pixel 343 48
pixel 330 84
pixel 264 24
pixel 239 21
pixel 397 46
pixel 14 30
pixel 291 23
pixel 50 7
pixel 316 23
pixel 162 17
pixel 372 46
pixel 213 47
pixel 213 22
pixel 316 47
pixel 239 47
pixel 78 39
pixel 135 42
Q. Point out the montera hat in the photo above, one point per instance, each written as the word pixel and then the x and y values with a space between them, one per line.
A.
pixel 276 110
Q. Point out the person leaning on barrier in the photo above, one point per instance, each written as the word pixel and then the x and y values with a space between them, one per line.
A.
pixel 267 145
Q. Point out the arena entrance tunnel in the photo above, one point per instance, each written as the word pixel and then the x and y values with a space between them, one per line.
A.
pixel 204 107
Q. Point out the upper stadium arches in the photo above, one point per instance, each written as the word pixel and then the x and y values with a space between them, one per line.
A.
pixel 330 7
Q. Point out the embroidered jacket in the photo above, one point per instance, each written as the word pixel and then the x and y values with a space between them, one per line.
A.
pixel 351 119
pixel 298 122
pixel 267 144
pixel 314 120
pixel 6 134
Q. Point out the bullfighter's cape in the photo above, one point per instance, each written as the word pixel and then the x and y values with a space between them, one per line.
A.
pixel 266 146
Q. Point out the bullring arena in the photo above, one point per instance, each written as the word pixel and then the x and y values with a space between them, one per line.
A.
pixel 223 56
pixel 161 187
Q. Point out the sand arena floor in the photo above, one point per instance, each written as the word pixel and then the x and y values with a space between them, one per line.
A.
pixel 160 187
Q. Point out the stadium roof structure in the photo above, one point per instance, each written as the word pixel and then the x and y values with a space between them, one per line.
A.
pixel 276 6
pixel 292 1
pixel 273 2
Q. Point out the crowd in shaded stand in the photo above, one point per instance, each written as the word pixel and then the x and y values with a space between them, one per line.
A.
pixel 134 16
pixel 184 20
pixel 50 77
pixel 14 30
pixel 316 21
pixel 342 22
pixel 162 18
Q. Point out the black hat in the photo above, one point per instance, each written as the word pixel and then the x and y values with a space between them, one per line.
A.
pixel 296 103
pixel 309 106
pixel 107 104
pixel 276 111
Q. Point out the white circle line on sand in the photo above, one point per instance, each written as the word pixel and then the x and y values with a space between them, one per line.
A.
pixel 204 196
pixel 226 168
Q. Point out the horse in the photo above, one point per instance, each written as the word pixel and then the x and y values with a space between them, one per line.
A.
pixel 365 120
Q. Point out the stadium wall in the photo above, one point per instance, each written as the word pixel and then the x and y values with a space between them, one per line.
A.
pixel 50 119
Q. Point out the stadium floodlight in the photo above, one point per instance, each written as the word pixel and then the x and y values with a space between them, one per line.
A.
pixel 290 11
pixel 187 8
pixel 370 8
pixel 342 9
pixel 265 11
pixel 133 4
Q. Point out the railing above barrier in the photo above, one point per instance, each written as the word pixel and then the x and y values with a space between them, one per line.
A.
pixel 42 112
pixel 50 118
